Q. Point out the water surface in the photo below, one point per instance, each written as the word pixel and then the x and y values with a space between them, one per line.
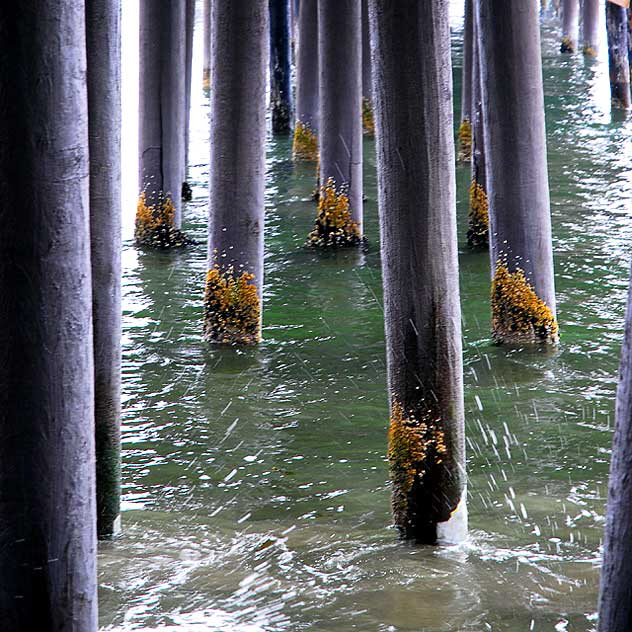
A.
pixel 255 481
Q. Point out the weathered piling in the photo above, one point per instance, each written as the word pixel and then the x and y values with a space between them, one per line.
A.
pixel 615 605
pixel 570 26
pixel 47 459
pixel 103 39
pixel 339 219
pixel 280 88
pixel 239 59
pixel 305 145
pixel 465 128
pixel 162 121
pixel 523 292
pixel 618 60
pixel 417 207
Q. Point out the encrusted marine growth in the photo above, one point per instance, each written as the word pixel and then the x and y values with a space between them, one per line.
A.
pixel 206 79
pixel 368 119
pixel 465 141
pixel 305 145
pixel 232 310
pixel 478 217
pixel 334 226
pixel 414 447
pixel 567 45
pixel 589 51
pixel 155 225
pixel 518 314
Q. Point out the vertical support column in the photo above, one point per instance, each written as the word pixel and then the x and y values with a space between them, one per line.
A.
pixel 161 130
pixel 465 128
pixel 280 89
pixel 523 292
pixel 206 33
pixel 339 219
pixel 188 70
pixel 368 122
pixel 307 101
pixel 615 606
pixel 478 217
pixel 103 38
pixel 417 205
pixel 47 459
pixel 570 26
pixel 239 60
pixel 617 29
pixel 591 10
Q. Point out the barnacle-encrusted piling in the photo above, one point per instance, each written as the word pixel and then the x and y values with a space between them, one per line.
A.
pixel 567 45
pixel 305 146
pixel 465 141
pixel 340 125
pixel 334 226
pixel 162 110
pixel 415 447
pixel 232 309
pixel 155 224
pixel 478 217
pixel 519 315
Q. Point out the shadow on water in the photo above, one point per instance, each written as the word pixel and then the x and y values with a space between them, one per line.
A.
pixel 255 481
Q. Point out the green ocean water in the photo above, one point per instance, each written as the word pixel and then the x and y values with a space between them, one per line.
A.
pixel 255 481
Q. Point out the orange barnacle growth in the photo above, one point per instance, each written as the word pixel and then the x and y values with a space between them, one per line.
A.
pixel 465 141
pixel 519 315
pixel 368 120
pixel 414 446
pixel 155 225
pixel 478 217
pixel 334 225
pixel 589 51
pixel 206 79
pixel 567 45
pixel 305 146
pixel 232 310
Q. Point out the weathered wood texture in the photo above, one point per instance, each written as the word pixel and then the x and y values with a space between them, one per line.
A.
pixel 162 101
pixel 615 595
pixel 517 176
pixel 239 62
pixel 618 61
pixel 307 102
pixel 47 460
pixel 280 88
pixel 416 193
pixel 103 38
pixel 340 55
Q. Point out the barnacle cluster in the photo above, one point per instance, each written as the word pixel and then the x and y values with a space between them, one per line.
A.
pixel 155 224
pixel 305 146
pixel 567 45
pixel 206 79
pixel 232 310
pixel 334 225
pixel 368 119
pixel 589 51
pixel 414 446
pixel 478 217
pixel 465 140
pixel 518 313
